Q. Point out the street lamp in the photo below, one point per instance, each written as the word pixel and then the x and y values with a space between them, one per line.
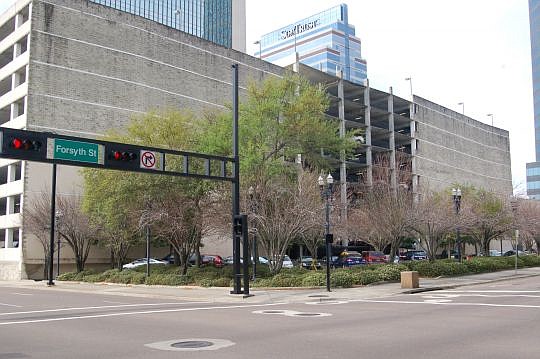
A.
pixel 462 104
pixel 410 83
pixel 456 195
pixel 326 191
pixel 258 42
pixel 253 207
pixel 491 115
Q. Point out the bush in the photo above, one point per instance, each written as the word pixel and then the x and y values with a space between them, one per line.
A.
pixel 390 272
pixel 75 276
pixel 168 279
pixel 366 277
pixel 342 278
pixel 284 279
pixel 314 279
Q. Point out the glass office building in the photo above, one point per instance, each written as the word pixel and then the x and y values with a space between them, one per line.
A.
pixel 209 19
pixel 533 168
pixel 325 41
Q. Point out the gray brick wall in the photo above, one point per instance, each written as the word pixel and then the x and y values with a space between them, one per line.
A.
pixel 92 67
pixel 453 148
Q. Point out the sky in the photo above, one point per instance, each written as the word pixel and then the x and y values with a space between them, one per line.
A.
pixel 455 51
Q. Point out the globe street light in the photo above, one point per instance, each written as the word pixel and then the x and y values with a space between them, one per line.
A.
pixel 456 195
pixel 326 191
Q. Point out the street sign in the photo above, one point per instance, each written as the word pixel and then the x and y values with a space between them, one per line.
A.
pixel 151 160
pixel 76 151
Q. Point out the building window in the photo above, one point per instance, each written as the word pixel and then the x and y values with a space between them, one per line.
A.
pixel 3 175
pixel 16 203
pixel 3 206
pixel 14 234
pixel 2 238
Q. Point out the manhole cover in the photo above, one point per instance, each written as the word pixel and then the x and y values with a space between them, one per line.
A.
pixel 192 344
pixel 306 314
pixel 272 311
pixel 318 296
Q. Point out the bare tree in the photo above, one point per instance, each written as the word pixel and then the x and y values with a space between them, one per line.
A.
pixel 36 219
pixel 77 230
pixel 527 220
pixel 433 220
pixel 287 210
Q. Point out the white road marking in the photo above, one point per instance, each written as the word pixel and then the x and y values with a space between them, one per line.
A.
pixel 138 313
pixel 21 294
pixel 100 307
pixel 492 291
pixel 441 303
pixel 11 305
pixel 109 301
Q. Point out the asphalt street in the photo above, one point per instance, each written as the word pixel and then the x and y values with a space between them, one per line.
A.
pixel 492 320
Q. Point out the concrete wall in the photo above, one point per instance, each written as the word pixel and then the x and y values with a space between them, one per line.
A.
pixel 453 148
pixel 92 68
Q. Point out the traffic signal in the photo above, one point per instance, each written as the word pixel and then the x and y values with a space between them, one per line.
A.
pixel 24 145
pixel 329 238
pixel 238 225
pixel 123 156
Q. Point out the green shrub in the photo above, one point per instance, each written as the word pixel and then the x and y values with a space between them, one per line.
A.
pixel 365 277
pixel 342 278
pixel 314 279
pixel 262 282
pixel 207 272
pixel 284 279
pixel 390 272
pixel 67 276
pixel 531 260
pixel 75 276
pixel 168 279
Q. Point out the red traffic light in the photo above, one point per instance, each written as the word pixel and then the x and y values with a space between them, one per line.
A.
pixel 123 156
pixel 25 144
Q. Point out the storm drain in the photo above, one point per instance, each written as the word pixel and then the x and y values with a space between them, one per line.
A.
pixel 300 314
pixel 191 344
pixel 291 313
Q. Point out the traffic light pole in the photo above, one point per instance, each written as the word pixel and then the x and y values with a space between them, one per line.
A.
pixel 53 214
pixel 236 186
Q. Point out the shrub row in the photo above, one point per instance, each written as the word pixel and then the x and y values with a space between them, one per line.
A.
pixel 299 277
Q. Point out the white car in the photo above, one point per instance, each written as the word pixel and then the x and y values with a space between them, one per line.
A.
pixel 141 262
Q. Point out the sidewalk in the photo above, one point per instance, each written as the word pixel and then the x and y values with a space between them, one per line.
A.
pixel 273 295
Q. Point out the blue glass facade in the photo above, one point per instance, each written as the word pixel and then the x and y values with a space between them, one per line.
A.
pixel 533 169
pixel 208 19
pixel 324 41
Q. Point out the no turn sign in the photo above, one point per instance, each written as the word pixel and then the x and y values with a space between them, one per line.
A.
pixel 151 160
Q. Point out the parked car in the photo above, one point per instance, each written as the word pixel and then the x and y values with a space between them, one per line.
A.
pixel 495 253
pixel 230 260
pixel 349 259
pixel 310 263
pixel 415 255
pixel 512 252
pixel 372 257
pixel 141 262
pixel 207 259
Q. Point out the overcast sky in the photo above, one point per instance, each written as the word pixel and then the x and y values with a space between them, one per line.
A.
pixel 475 52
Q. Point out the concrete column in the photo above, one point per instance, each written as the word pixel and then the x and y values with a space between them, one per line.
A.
pixel 9 237
pixel 369 159
pixel 392 141
pixel 9 205
pixel 343 165
pixel 414 178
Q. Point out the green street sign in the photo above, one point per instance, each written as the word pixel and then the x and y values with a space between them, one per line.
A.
pixel 76 151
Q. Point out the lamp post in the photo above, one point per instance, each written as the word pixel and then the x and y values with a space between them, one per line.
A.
pixel 462 104
pixel 57 217
pixel 326 191
pixel 410 83
pixel 491 115
pixel 253 207
pixel 456 195
pixel 258 42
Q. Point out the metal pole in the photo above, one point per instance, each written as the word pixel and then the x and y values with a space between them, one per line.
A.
pixel 58 255
pixel 147 251
pixel 517 249
pixel 53 214
pixel 236 185
pixel 328 244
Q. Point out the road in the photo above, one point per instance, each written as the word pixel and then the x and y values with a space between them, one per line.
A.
pixel 497 320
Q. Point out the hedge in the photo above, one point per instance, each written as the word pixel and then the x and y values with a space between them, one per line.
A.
pixel 299 277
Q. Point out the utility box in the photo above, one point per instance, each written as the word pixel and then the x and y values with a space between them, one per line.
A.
pixel 409 280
